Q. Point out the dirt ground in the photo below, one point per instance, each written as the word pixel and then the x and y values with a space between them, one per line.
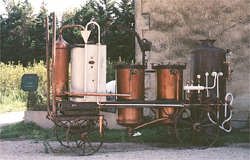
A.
pixel 30 149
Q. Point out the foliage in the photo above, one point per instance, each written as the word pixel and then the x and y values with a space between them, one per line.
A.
pixel 117 23
pixel 20 32
pixel 11 95
pixel 25 130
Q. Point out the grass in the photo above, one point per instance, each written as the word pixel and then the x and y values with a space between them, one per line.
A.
pixel 23 130
pixel 157 134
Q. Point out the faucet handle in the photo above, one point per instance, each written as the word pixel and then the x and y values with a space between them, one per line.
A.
pixel 214 74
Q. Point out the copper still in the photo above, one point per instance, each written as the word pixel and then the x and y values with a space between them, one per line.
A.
pixel 61 65
pixel 169 86
pixel 208 58
pixel 130 80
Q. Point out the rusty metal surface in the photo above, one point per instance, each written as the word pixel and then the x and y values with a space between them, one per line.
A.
pixel 61 65
pixel 208 58
pixel 130 80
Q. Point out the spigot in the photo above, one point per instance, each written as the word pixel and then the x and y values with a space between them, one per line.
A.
pixel 214 74
pixel 187 93
pixel 192 83
pixel 198 82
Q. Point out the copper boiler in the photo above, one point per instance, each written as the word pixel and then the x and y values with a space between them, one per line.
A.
pixel 169 87
pixel 61 63
pixel 130 80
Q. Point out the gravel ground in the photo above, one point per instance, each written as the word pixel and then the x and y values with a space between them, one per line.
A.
pixel 30 149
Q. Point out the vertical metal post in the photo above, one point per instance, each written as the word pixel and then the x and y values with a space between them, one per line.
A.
pixel 47 63
pixel 53 64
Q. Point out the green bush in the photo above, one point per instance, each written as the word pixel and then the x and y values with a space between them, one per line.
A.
pixel 12 98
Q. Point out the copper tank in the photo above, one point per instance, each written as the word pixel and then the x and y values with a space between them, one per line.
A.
pixel 169 86
pixel 208 58
pixel 61 64
pixel 130 80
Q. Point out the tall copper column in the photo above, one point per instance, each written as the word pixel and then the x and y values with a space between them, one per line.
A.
pixel 61 64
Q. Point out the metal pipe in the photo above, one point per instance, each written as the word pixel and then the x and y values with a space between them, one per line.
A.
pixel 206 75
pixel 47 63
pixel 151 122
pixel 98 28
pixel 200 88
pixel 149 105
pixel 214 74
pixel 72 94
pixel 53 63
pixel 218 89
pixel 142 104
pixel 101 125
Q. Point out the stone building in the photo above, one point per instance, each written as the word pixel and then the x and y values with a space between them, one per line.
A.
pixel 175 26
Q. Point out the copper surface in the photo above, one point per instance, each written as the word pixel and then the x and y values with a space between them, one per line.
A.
pixel 130 80
pixel 167 112
pixel 82 94
pixel 169 87
pixel 129 116
pixel 61 66
pixel 101 125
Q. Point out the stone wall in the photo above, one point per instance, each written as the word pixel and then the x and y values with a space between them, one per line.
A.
pixel 175 26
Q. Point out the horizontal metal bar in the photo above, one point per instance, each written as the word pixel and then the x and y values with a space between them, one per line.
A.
pixel 81 94
pixel 75 118
pixel 142 104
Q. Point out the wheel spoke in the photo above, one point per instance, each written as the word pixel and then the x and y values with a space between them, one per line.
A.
pixel 196 129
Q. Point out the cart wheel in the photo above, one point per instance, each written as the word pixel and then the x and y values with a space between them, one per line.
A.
pixel 82 137
pixel 91 139
pixel 192 127
pixel 65 136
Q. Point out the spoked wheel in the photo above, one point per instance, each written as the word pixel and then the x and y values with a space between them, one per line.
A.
pixel 91 139
pixel 84 137
pixel 192 127
pixel 65 137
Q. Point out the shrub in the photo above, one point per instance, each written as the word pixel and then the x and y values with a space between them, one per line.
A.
pixel 11 96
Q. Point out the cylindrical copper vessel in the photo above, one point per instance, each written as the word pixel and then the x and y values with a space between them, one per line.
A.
pixel 208 58
pixel 130 80
pixel 61 64
pixel 169 86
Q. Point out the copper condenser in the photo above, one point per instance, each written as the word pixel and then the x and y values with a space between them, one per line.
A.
pixel 61 65
pixel 169 87
pixel 130 80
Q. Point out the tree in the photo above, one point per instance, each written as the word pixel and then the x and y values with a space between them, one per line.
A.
pixel 116 21
pixel 15 33
pixel 38 33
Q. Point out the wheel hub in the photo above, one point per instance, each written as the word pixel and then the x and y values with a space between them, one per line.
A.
pixel 197 127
